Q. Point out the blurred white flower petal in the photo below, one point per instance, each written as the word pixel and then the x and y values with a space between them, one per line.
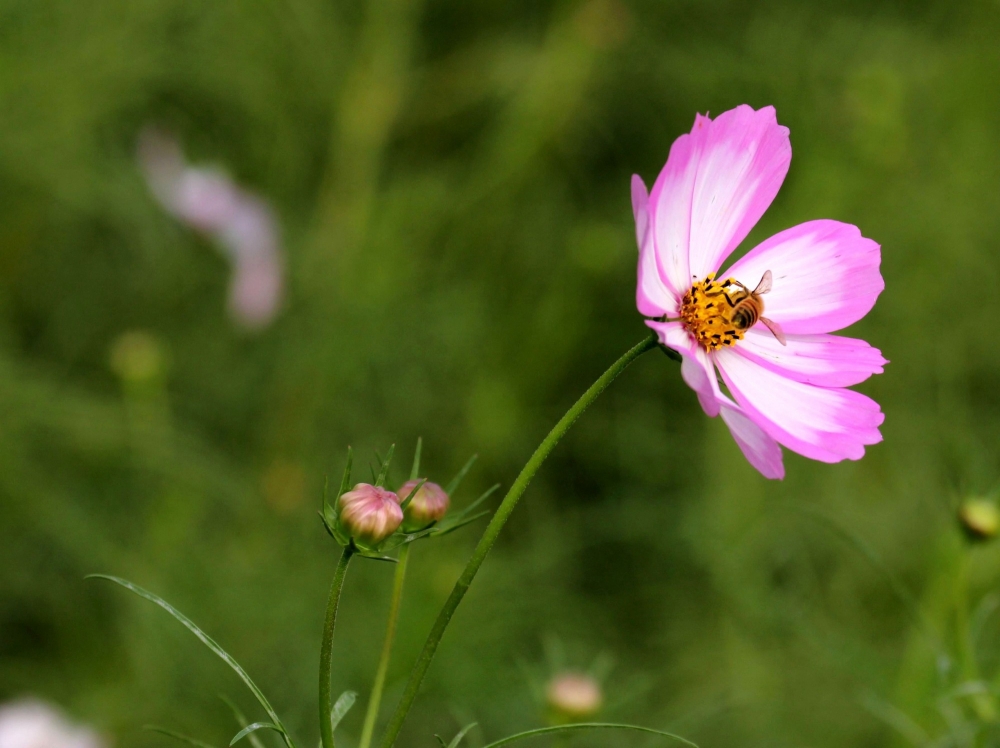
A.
pixel 33 724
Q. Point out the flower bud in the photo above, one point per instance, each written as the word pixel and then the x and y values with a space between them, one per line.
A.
pixel 573 697
pixel 428 505
pixel 370 514
pixel 980 518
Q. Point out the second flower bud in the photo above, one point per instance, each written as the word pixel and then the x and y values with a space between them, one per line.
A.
pixel 427 506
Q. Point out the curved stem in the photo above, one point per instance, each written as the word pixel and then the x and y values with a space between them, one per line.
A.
pixel 390 635
pixel 326 650
pixel 493 529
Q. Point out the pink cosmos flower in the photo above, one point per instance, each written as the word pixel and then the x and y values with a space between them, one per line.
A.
pixel 242 224
pixel 764 323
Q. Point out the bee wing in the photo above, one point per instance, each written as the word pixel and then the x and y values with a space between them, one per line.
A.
pixel 774 327
pixel 765 283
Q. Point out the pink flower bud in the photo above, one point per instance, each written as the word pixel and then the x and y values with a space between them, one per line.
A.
pixel 573 697
pixel 370 514
pixel 428 505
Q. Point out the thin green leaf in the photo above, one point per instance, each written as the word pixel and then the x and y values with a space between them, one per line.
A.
pixel 403 539
pixel 342 707
pixel 461 734
pixel 415 470
pixel 240 719
pixel 486 494
pixel 440 740
pixel 252 728
pixel 178 736
pixel 458 523
pixel 586 726
pixel 450 488
pixel 376 557
pixel 327 526
pixel 208 642
pixel 345 482
pixel 383 473
pixel 413 492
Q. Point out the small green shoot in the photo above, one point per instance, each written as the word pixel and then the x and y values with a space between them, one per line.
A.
pixel 240 719
pixel 253 728
pixel 342 707
pixel 415 470
pixel 178 736
pixel 586 726
pixel 450 488
pixel 458 738
pixel 383 472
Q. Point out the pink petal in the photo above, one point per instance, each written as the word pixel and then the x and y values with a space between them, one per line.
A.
pixel 760 449
pixel 826 424
pixel 826 276
pixel 717 183
pixel 822 360
pixel 670 214
pixel 652 297
pixel 696 367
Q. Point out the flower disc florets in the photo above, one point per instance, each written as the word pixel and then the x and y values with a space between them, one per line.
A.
pixel 428 505
pixel 707 311
pixel 369 514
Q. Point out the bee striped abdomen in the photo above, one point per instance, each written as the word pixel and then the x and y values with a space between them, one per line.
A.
pixel 746 314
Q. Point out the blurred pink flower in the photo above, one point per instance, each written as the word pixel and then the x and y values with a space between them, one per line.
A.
pixel 574 696
pixel 33 724
pixel 429 504
pixel 242 224
pixel 787 375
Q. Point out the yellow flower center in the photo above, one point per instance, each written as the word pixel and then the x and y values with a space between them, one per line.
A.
pixel 718 313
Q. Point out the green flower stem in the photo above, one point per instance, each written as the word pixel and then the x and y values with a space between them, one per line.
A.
pixel 496 524
pixel 326 650
pixel 390 635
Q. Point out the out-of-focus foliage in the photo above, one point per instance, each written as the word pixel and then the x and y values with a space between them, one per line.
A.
pixel 452 182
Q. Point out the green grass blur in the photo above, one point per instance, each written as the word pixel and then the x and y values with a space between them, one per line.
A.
pixel 452 181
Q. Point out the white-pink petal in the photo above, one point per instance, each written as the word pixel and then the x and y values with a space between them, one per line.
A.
pixel 670 215
pixel 822 360
pixel 741 158
pixel 760 449
pixel 696 367
pixel 825 276
pixel 653 297
pixel 823 423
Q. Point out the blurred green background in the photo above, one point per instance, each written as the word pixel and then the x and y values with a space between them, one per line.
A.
pixel 452 183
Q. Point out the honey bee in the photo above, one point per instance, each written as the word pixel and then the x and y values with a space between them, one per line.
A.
pixel 747 307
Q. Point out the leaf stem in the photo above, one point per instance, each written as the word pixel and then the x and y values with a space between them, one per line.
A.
pixel 326 650
pixel 496 524
pixel 390 635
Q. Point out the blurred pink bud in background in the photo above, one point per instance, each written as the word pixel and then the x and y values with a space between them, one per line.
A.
pixel 33 724
pixel 573 696
pixel 242 224
pixel 428 505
